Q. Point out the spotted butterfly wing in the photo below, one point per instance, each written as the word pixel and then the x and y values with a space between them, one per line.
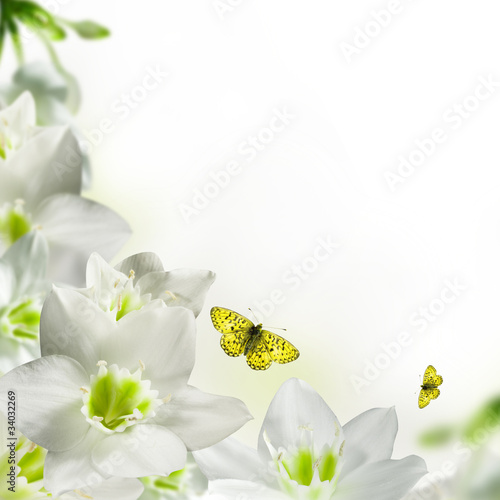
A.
pixel 280 350
pixel 426 396
pixel 431 377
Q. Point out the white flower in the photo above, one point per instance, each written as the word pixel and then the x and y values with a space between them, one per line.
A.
pixel 111 398
pixel 52 96
pixel 41 177
pixel 139 279
pixel 26 477
pixel 304 453
pixel 22 289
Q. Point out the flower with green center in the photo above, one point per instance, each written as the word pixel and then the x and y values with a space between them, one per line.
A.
pixel 140 279
pixel 23 286
pixel 111 398
pixel 41 180
pixel 304 454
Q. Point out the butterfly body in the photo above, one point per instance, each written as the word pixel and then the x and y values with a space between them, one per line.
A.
pixel 253 338
pixel 241 336
pixel 429 388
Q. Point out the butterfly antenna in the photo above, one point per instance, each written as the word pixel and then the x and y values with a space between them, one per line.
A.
pixel 276 328
pixel 254 316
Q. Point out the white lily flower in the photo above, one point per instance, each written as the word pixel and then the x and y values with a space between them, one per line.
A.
pixel 50 92
pixel 139 279
pixel 41 176
pixel 111 398
pixel 304 453
pixel 21 468
pixel 23 286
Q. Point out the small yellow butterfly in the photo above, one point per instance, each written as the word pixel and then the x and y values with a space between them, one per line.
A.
pixel 241 336
pixel 430 385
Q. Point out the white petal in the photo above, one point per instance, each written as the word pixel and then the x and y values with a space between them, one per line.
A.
pixel 162 339
pixel 73 469
pixel 233 489
pixel 11 187
pixel 369 438
pixel 202 419
pixel 14 353
pixel 20 116
pixel 75 227
pixel 28 257
pixel 188 286
pixel 102 277
pixel 141 263
pixel 8 282
pixel 142 450
pixel 49 163
pixel 74 326
pixel 229 459
pixel 385 480
pixel 49 401
pixel 114 488
pixel 295 408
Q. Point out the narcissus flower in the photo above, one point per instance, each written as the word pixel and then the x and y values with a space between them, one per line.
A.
pixel 22 289
pixel 304 453
pixel 111 398
pixel 41 174
pixel 139 279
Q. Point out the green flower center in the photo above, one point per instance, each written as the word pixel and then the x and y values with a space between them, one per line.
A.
pixel 305 472
pixel 126 298
pixel 5 145
pixel 300 466
pixel 14 222
pixel 118 399
pixel 21 320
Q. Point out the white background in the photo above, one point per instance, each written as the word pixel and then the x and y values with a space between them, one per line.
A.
pixel 322 176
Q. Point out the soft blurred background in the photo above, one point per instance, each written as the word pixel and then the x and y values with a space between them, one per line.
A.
pixel 181 89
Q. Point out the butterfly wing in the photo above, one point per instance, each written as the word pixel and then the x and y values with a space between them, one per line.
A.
pixel 431 377
pixel 280 350
pixel 234 327
pixel 426 396
pixel 233 344
pixel 258 358
pixel 227 321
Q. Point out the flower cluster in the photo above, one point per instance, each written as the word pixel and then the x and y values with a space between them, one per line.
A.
pixel 95 401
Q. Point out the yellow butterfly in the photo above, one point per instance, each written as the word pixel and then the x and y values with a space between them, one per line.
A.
pixel 430 385
pixel 241 336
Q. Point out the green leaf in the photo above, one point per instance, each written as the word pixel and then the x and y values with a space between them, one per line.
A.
pixel 2 33
pixel 438 436
pixel 38 19
pixel 88 29
pixel 16 39
pixel 484 424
